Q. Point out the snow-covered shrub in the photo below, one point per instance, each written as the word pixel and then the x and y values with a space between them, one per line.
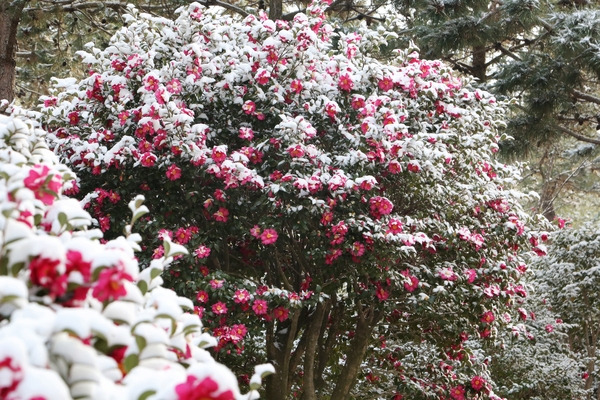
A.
pixel 77 317
pixel 326 197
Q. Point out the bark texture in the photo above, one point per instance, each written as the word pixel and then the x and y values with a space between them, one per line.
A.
pixel 10 16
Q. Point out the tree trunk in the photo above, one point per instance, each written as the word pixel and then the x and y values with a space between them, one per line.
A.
pixel 479 68
pixel 10 16
pixel 275 9
pixel 314 328
pixel 358 347
pixel 278 385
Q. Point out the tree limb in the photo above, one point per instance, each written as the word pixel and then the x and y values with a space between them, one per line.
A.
pixel 578 136
pixel 584 96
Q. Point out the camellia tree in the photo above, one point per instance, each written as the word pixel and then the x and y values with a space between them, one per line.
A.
pixel 325 196
pixel 79 319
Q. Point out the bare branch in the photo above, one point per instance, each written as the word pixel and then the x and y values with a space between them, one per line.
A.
pixel 584 96
pixel 508 53
pixel 578 136
pixel 226 6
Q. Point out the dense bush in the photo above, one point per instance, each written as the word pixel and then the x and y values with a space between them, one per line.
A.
pixel 77 317
pixel 327 198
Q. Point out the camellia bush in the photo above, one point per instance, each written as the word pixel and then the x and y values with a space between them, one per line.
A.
pixel 77 317
pixel 327 199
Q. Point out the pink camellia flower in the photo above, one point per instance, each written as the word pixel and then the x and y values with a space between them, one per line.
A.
pixel 259 307
pixel 477 383
pixel 216 283
pixel 295 151
pixel 151 83
pixel 471 275
pixel 249 107
pixel 222 215
pixel 219 308
pixel 549 328
pixel 386 84
pixel 241 296
pixel 148 159
pixel 174 86
pixel 269 236
pixel 345 83
pixel 394 226
pixel 458 393
pixel 357 249
pixel 382 294
pixel 173 172
pixel 182 236
pixel 202 296
pixel 110 284
pixel 255 231
pixel 281 313
pixel 414 284
pixel 296 86
pixel 447 274
pixel 36 180
pixel 219 154
pixel 488 317
pixel 380 206
pixel 206 389
pixel 246 133
pixel 202 251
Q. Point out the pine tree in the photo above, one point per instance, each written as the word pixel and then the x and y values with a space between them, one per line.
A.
pixel 545 55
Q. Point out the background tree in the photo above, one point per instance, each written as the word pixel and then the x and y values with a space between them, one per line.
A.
pixel 544 54
pixel 319 188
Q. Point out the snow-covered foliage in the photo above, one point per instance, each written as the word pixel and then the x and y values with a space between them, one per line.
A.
pixel 569 279
pixel 319 189
pixel 77 317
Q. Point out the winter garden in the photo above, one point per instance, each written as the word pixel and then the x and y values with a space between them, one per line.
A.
pixel 233 207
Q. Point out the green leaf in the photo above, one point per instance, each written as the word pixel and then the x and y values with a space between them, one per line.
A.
pixel 155 272
pixel 62 219
pixel 146 394
pixel 141 342
pixel 143 286
pixel 16 268
pixel 131 361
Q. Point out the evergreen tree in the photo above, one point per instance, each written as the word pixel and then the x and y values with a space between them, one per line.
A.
pixel 545 55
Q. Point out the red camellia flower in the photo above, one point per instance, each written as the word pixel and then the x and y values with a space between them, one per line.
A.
pixel 44 272
pixel 281 313
pixel 206 389
pixel 75 262
pixel 12 375
pixel 488 317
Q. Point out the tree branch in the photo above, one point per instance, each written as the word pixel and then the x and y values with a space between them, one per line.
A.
pixel 584 96
pixel 578 136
